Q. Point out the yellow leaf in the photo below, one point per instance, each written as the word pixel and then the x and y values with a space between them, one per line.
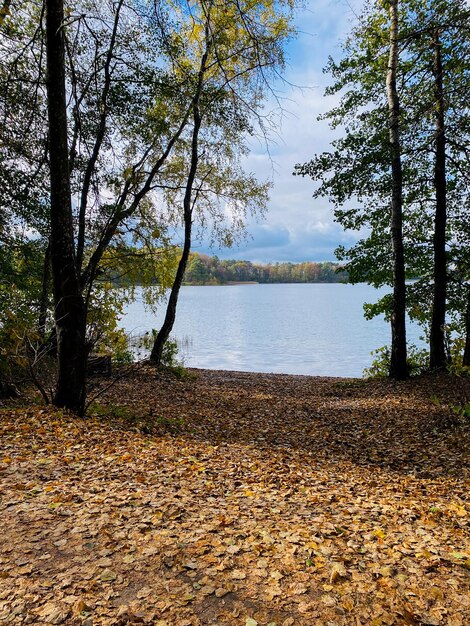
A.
pixel 458 509
pixel 108 575
pixel 338 571
pixel 347 604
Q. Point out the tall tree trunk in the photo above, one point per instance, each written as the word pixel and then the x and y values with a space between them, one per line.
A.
pixel 398 365
pixel 438 357
pixel 466 352
pixel 69 307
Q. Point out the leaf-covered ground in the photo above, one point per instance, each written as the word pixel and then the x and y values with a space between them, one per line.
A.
pixel 239 499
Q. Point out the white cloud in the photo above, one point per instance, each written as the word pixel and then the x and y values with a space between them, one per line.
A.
pixel 313 235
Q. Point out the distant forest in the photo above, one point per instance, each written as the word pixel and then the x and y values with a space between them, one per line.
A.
pixel 210 270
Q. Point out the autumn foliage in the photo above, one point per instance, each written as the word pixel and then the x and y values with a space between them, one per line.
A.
pixel 239 499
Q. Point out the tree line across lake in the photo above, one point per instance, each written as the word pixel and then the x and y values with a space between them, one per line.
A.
pixel 210 270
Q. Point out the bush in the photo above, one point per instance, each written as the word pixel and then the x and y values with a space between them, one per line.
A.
pixel 455 347
pixel 170 354
pixel 417 361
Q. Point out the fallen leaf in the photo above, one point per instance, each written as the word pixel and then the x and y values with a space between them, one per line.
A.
pixel 108 575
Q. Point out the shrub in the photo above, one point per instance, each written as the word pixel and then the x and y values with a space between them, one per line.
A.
pixel 417 361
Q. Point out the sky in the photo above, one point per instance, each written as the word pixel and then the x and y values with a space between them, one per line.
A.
pixel 297 227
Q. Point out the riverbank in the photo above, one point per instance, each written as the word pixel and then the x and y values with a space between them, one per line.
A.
pixel 241 499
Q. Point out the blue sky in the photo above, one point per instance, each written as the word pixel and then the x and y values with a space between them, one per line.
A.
pixel 298 227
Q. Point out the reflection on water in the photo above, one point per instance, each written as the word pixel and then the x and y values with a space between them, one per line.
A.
pixel 295 329
pixel 185 344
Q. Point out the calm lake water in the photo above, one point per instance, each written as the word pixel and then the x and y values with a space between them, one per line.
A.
pixel 314 329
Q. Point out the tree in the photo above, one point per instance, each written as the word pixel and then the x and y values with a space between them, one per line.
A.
pixel 437 356
pixel 444 42
pixel 234 46
pixel 126 113
pixel 170 315
pixel 357 174
pixel 466 354
pixel 398 365
pixel 70 314
pixel 23 149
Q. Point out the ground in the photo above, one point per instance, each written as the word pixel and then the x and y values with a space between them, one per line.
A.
pixel 241 499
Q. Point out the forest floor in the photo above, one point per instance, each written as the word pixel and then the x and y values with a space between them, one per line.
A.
pixel 241 499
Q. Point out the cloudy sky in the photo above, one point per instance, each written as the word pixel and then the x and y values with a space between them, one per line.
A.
pixel 297 227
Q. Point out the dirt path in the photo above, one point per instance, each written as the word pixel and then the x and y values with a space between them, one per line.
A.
pixel 239 499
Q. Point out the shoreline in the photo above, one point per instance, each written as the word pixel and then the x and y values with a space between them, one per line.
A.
pixel 223 372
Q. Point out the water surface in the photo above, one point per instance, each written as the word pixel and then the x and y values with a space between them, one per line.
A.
pixel 313 329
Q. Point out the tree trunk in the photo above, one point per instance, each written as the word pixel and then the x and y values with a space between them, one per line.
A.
pixel 466 352
pixel 44 302
pixel 398 366
pixel 170 315
pixel 69 307
pixel 438 357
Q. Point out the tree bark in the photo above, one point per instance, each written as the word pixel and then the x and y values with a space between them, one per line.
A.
pixel 69 309
pixel 170 314
pixel 466 352
pixel 438 357
pixel 398 365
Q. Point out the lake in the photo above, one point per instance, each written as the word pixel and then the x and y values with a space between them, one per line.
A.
pixel 313 329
